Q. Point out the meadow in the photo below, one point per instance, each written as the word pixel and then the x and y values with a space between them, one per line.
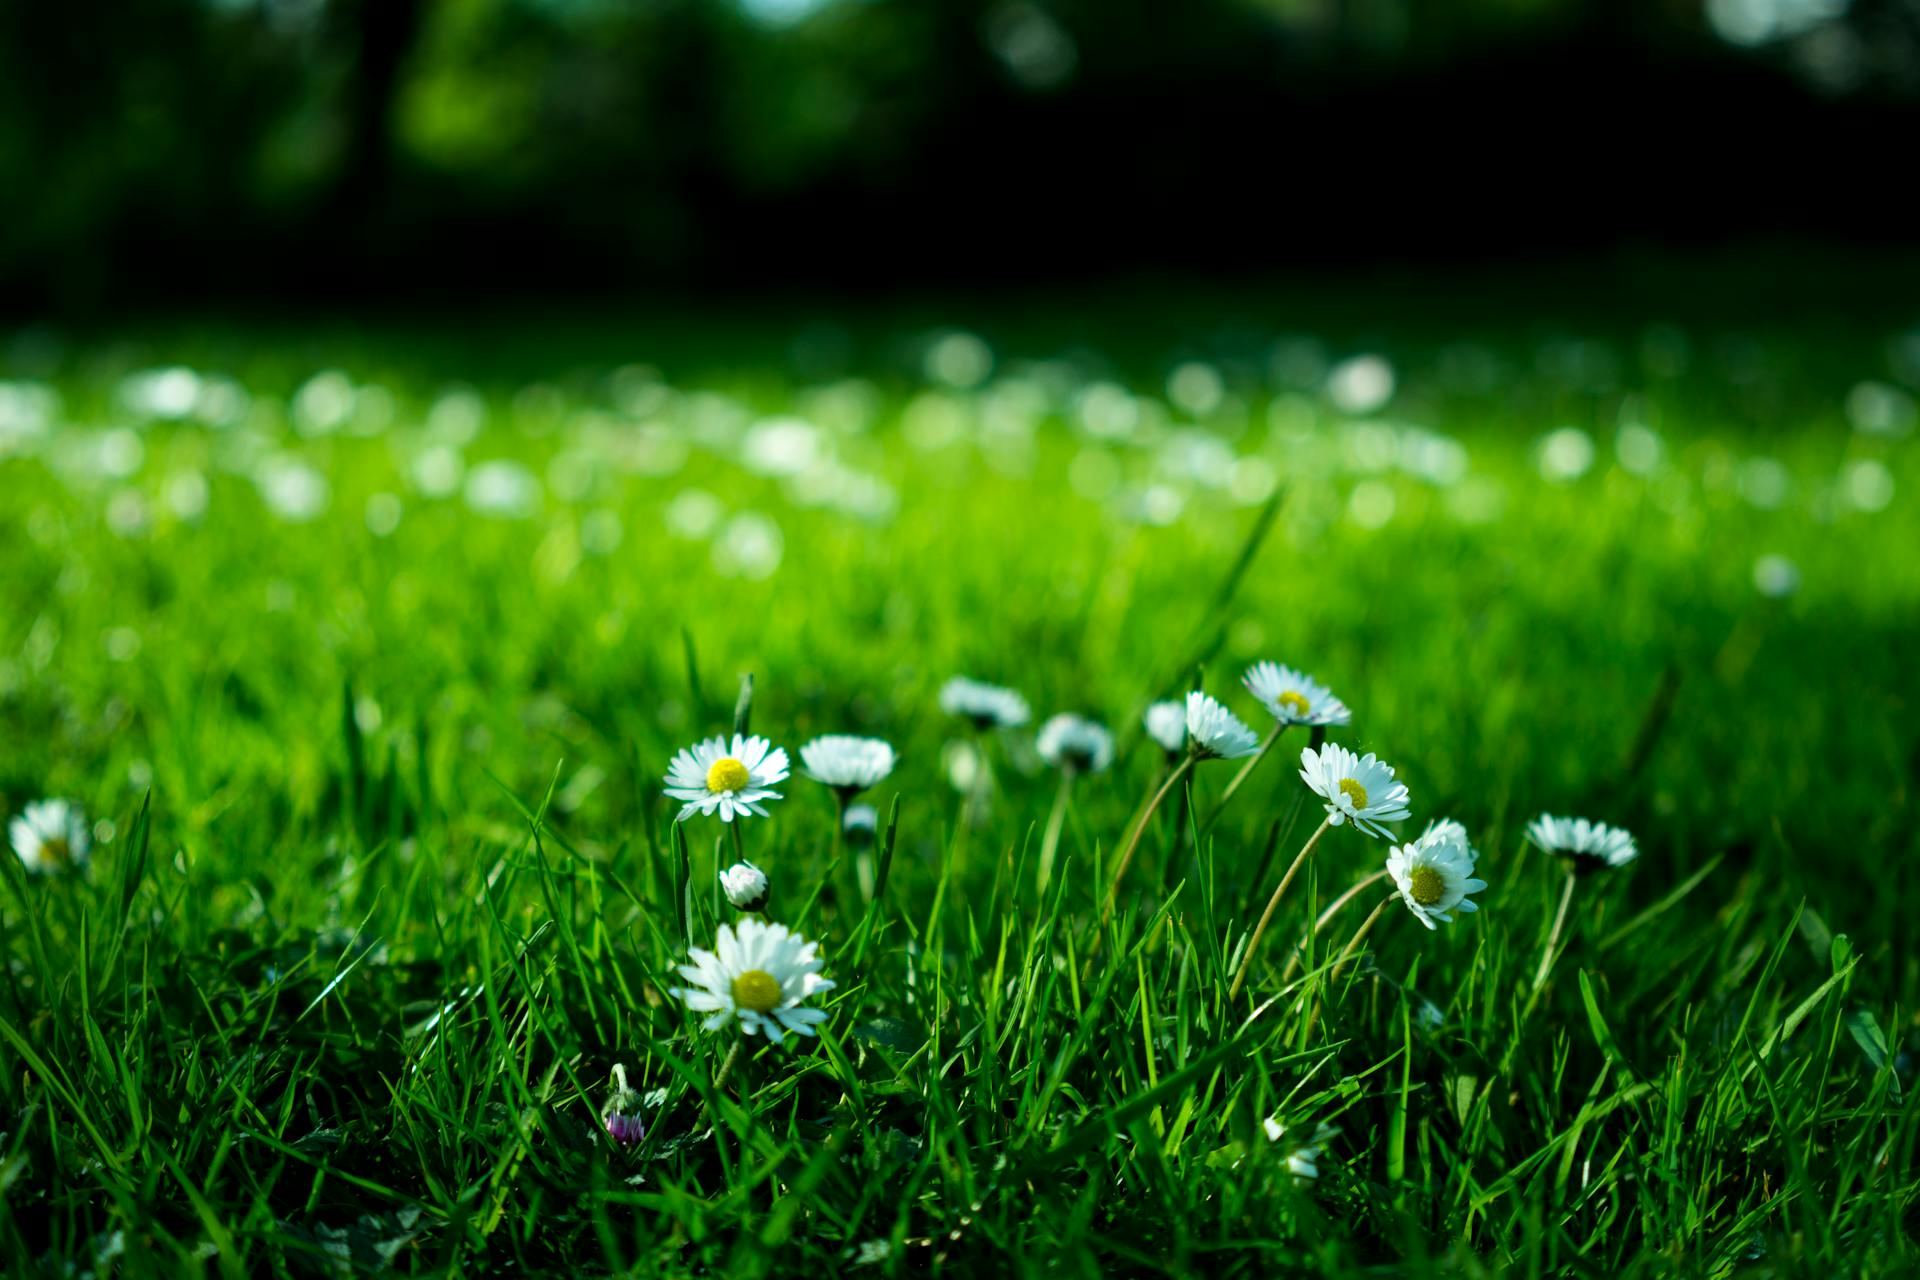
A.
pixel 365 655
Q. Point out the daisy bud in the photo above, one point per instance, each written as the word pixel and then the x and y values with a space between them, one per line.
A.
pixel 745 886
pixel 862 825
pixel 621 1119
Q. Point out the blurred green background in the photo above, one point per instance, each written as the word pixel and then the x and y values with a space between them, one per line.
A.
pixel 347 149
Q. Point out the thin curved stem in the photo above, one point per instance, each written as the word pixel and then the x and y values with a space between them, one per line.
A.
pixel 1366 927
pixel 1553 938
pixel 1056 821
pixel 1266 917
pixel 1126 858
pixel 1333 909
pixel 1246 771
pixel 1359 935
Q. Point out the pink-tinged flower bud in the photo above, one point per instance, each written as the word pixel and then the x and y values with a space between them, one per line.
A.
pixel 622 1115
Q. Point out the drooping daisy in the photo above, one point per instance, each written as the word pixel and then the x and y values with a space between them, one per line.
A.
pixel 50 837
pixel 1357 789
pixel 1075 742
pixel 861 825
pixel 847 763
pixel 1591 845
pixel 1294 697
pixel 1303 1157
pixel 730 779
pixel 759 974
pixel 745 886
pixel 988 706
pixel 1435 874
pixel 621 1117
pixel 1167 725
pixel 1215 733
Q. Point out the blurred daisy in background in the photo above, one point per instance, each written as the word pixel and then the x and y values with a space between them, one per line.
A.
pixel 1303 1156
pixel 1167 725
pixel 1074 742
pixel 847 763
pixel 1591 845
pixel 759 975
pixel 50 837
pixel 1215 733
pixel 1435 874
pixel 988 706
pixel 1357 789
pixel 729 779
pixel 861 824
pixel 1293 697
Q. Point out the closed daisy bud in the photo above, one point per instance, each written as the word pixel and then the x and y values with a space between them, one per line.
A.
pixel 861 825
pixel 1215 733
pixel 846 763
pixel 1074 742
pixel 1593 846
pixel 758 975
pixel 1356 789
pixel 745 886
pixel 50 837
pixel 1167 725
pixel 621 1116
pixel 1434 874
pixel 1293 697
pixel 988 706
pixel 730 779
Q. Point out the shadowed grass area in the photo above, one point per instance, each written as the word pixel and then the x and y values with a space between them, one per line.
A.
pixel 401 664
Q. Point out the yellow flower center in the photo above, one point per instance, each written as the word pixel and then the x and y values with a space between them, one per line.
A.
pixel 56 851
pixel 1348 788
pixel 1427 886
pixel 1294 703
pixel 727 774
pixel 756 990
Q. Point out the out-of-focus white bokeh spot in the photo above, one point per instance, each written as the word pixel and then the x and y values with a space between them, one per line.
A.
pixel 1564 455
pixel 1361 384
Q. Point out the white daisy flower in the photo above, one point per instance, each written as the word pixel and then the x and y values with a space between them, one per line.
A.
pixel 731 780
pixel 1435 874
pixel 847 763
pixel 988 705
pixel 1294 697
pixel 861 825
pixel 621 1118
pixel 745 886
pixel 1357 789
pixel 51 836
pixel 759 974
pixel 1075 742
pixel 1167 725
pixel 1215 732
pixel 1303 1158
pixel 1590 844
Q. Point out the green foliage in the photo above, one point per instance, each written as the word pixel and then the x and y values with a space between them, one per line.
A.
pixel 385 883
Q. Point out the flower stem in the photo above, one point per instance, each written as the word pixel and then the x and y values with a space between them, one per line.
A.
pixel 1050 843
pixel 1246 770
pixel 1266 917
pixel 739 841
pixel 1126 858
pixel 1293 965
pixel 1359 935
pixel 1553 938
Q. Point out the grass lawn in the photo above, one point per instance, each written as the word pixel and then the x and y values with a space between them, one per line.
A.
pixel 365 656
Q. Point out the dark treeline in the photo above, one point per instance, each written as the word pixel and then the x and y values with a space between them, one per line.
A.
pixel 367 148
